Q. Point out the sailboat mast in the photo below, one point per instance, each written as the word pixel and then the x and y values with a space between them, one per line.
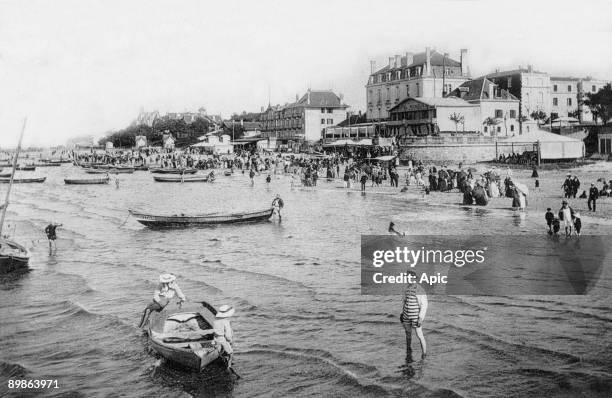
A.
pixel 8 191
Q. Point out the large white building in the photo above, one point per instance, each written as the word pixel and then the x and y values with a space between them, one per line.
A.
pixel 304 120
pixel 568 93
pixel 428 74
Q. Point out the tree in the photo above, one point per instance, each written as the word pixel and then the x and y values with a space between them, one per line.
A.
pixel 539 116
pixel 456 118
pixel 600 104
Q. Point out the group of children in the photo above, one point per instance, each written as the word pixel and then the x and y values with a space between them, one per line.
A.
pixel 570 219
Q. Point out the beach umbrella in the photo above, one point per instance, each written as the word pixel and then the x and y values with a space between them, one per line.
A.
pixel 522 187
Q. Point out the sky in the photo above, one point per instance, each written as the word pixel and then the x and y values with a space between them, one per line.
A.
pixel 81 67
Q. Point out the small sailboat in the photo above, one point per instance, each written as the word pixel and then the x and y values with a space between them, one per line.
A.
pixel 13 256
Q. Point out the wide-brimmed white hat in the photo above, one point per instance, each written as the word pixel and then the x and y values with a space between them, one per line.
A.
pixel 167 278
pixel 225 311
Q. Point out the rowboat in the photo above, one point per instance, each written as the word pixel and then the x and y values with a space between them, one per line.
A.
pixel 227 173
pixel 22 180
pixel 5 175
pixel 159 170
pixel 26 168
pixel 13 256
pixel 174 178
pixel 155 221
pixel 185 337
pixel 86 181
pixel 141 168
pixel 48 164
pixel 121 170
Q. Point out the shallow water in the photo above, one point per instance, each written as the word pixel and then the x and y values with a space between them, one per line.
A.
pixel 302 326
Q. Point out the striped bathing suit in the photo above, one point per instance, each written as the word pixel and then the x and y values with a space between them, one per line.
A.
pixel 411 305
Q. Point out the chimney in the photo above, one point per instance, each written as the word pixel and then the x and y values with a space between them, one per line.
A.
pixel 372 67
pixel 465 69
pixel 409 58
pixel 398 60
pixel 308 100
pixel 491 90
pixel 427 61
pixel 391 60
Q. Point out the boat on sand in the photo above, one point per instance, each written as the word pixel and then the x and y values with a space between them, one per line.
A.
pixel 181 178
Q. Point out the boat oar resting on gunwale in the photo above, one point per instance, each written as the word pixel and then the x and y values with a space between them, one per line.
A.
pixel 182 220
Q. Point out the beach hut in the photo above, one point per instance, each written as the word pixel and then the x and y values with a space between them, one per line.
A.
pixel 168 141
pixel 140 141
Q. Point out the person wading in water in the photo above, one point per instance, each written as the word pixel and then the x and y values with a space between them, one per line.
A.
pixel 277 205
pixel 51 235
pixel 413 314
pixel 164 292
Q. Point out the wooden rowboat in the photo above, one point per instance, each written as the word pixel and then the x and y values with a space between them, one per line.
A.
pixel 155 221
pixel 13 256
pixel 5 175
pixel 141 168
pixel 22 180
pixel 121 170
pixel 48 164
pixel 26 168
pixel 175 178
pixel 173 171
pixel 85 181
pixel 185 337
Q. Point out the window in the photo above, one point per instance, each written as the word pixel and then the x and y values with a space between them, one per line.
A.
pixel 555 101
pixel 330 121
pixel 379 95
pixel 499 113
pixel 512 113
pixel 485 129
pixel 322 110
pixel 555 88
pixel 330 110
pixel 407 90
pixel 498 129
pixel 512 127
pixel 418 94
pixel 509 83
pixel 593 89
pixel 322 121
pixel 569 89
pixel 569 102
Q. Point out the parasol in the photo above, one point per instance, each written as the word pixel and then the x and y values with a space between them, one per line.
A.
pixel 522 187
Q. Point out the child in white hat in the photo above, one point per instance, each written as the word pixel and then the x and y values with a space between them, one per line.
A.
pixel 224 334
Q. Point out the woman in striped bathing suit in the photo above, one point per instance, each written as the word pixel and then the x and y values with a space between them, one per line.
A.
pixel 413 313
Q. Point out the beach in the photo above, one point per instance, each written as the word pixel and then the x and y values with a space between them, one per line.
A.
pixel 302 326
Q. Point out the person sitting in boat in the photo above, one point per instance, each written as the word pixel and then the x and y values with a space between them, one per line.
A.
pixel 277 205
pixel 224 335
pixel 164 292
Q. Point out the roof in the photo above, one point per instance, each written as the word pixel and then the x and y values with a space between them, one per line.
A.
pixel 248 126
pixel 437 59
pixel 353 120
pixel 565 78
pixel 320 98
pixel 478 89
pixel 511 72
pixel 437 102
pixel 540 135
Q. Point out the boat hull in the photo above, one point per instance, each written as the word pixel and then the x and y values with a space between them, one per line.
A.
pixel 86 181
pixel 22 180
pixel 181 352
pixel 173 171
pixel 10 262
pixel 154 221
pixel 180 179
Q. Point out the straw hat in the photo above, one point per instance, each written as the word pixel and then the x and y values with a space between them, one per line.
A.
pixel 225 311
pixel 167 278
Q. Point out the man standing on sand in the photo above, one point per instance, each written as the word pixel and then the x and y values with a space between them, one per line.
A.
pixel 413 314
